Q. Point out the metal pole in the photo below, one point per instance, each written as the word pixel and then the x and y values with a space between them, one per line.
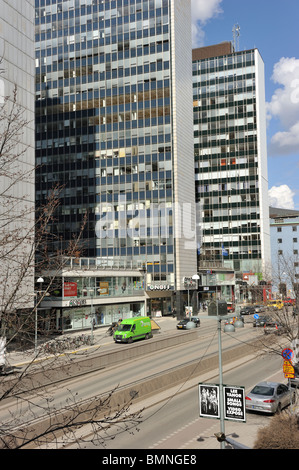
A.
pixel 35 325
pixel 221 403
pixel 91 317
pixel 145 299
pixel 40 281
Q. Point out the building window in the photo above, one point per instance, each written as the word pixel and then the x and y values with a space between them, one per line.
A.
pixel 294 229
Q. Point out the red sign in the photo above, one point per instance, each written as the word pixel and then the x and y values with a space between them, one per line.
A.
pixel 70 289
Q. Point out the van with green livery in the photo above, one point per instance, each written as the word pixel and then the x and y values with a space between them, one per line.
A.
pixel 132 329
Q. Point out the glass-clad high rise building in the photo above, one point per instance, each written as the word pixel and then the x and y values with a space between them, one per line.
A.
pixel 114 125
pixel 231 160
pixel 17 159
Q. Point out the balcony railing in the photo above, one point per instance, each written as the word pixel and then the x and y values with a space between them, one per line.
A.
pixel 102 263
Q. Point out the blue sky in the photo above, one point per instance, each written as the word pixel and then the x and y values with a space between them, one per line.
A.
pixel 272 27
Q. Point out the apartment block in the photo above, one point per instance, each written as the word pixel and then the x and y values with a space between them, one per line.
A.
pixel 284 228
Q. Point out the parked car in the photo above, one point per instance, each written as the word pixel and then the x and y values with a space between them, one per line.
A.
pixel 261 321
pixel 275 304
pixel 247 310
pixel 295 311
pixel 196 320
pixel 289 301
pixel 182 325
pixel 273 327
pixel 259 308
pixel 269 397
pixel 295 381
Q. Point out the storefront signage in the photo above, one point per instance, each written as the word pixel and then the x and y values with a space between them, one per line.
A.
pixel 77 302
pixel 189 282
pixel 207 288
pixel 104 288
pixel 70 289
pixel 159 287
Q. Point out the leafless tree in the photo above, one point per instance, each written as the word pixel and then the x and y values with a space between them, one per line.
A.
pixel 284 314
pixel 24 254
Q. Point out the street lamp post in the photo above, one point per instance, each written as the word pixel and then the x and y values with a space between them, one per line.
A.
pixel 222 427
pixel 91 291
pixel 227 328
pixel 195 277
pixel 40 281
pixel 143 271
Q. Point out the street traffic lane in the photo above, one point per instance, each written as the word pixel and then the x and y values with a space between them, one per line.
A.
pixel 200 433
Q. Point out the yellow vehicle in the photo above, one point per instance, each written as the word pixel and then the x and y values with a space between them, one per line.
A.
pixel 275 304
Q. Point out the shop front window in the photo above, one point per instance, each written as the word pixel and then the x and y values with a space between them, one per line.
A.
pixel 101 287
pixel 80 318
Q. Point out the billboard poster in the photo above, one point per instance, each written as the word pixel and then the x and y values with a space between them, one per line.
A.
pixel 234 403
pixel 104 288
pixel 70 289
pixel 209 401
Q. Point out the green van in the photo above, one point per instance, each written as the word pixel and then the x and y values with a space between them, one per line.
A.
pixel 133 328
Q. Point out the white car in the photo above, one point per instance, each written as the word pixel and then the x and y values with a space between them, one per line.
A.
pixel 269 397
pixel 259 308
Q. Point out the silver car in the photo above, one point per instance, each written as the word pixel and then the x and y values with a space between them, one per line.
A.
pixel 269 397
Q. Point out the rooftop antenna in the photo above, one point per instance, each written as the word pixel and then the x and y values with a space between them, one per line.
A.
pixel 236 35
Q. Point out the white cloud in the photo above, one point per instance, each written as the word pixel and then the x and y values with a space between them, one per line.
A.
pixel 202 11
pixel 281 197
pixel 284 106
pixel 286 142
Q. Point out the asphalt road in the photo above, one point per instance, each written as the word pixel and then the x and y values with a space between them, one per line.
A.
pixel 102 381
pixel 174 422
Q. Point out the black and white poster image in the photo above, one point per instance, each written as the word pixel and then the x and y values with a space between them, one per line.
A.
pixel 209 401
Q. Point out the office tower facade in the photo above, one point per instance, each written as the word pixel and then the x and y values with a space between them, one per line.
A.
pixel 231 160
pixel 114 125
pixel 17 157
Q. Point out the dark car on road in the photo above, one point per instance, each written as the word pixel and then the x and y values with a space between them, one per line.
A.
pixel 273 327
pixel 182 325
pixel 295 381
pixel 259 308
pixel 247 310
pixel 261 320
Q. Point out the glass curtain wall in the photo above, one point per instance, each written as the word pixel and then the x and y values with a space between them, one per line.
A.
pixel 226 160
pixel 103 126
